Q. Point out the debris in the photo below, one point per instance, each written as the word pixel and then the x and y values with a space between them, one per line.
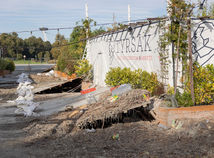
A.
pixel 69 108
pixel 90 98
pixel 65 86
pixel 121 89
pixel 24 102
pixel 50 73
pixel 162 126
pixel 129 106
pixel 23 77
pixel 177 124
pixel 113 98
pixel 115 136
pixel 10 101
pixel 92 130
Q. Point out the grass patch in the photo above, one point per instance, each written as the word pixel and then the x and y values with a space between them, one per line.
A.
pixel 28 62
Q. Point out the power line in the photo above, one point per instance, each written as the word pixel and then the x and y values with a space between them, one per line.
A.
pixel 64 28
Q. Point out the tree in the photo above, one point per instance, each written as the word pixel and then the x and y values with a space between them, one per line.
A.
pixel 59 46
pixel 47 56
pixel 12 44
pixel 40 55
pixel 176 35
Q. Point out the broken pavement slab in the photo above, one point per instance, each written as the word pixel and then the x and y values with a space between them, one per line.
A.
pixel 75 100
pixel 63 86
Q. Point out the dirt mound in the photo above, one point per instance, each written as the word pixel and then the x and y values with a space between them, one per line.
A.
pixel 135 101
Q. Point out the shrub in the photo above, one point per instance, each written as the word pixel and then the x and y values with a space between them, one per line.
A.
pixel 138 79
pixel 3 64
pixel 203 87
pixel 10 65
pixel 7 64
pixel 203 84
pixel 118 76
pixel 66 64
pixel 184 99
pixel 83 69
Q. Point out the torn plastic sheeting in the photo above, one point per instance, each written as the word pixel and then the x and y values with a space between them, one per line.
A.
pixel 121 89
pixel 23 78
pixel 50 73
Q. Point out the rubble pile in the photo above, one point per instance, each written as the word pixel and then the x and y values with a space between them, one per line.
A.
pixel 134 104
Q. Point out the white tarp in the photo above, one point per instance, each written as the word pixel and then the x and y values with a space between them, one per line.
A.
pixel 138 48
pixel 203 41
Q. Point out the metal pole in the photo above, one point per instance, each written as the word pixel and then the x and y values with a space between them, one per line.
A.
pixel 129 14
pixel 173 59
pixel 86 14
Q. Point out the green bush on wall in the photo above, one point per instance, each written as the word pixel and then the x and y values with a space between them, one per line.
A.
pixel 138 79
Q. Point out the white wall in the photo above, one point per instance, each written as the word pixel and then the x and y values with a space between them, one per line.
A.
pixel 139 49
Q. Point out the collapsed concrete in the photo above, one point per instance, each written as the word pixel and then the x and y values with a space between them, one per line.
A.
pixel 65 86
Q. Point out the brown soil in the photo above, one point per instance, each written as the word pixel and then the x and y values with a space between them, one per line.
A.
pixel 135 139
pixel 59 136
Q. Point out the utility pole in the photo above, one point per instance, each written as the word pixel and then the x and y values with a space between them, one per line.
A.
pixel 86 15
pixel 129 14
pixel 114 22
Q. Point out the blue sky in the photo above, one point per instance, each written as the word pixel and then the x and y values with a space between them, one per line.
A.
pixel 20 15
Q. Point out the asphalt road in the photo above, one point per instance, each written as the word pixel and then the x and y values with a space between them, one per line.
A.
pixel 10 79
pixel 32 68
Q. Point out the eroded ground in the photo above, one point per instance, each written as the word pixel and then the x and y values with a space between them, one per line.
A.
pixel 58 136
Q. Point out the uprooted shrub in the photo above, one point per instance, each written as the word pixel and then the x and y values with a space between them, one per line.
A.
pixel 138 79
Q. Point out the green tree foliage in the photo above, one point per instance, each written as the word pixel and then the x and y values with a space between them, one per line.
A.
pixel 204 83
pixel 59 46
pixel 83 69
pixel 70 54
pixel 40 55
pixel 47 56
pixel 13 46
pixel 203 87
pixel 178 10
